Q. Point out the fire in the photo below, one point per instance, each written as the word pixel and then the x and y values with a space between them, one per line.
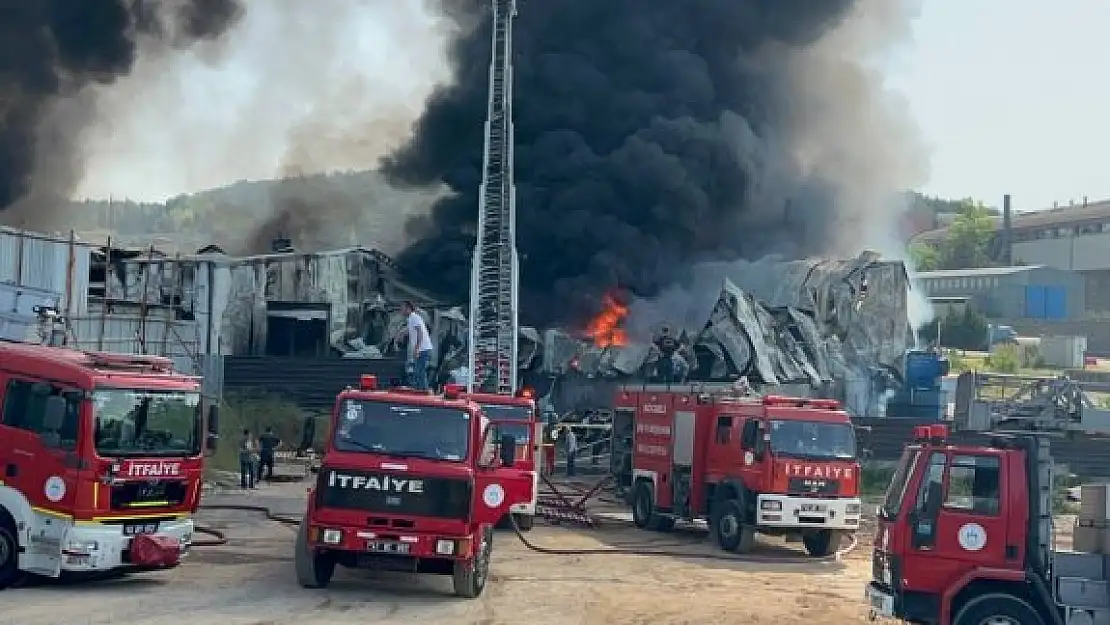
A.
pixel 605 329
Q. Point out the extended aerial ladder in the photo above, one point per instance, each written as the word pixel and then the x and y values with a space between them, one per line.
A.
pixel 493 332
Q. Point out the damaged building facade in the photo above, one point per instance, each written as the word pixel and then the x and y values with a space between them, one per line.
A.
pixel 829 328
pixel 289 303
pixel 834 328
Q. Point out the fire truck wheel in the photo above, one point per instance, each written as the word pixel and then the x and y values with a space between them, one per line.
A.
pixel 643 505
pixel 313 571
pixel 524 522
pixel 997 609
pixel 470 577
pixel 732 533
pixel 644 515
pixel 822 544
pixel 10 575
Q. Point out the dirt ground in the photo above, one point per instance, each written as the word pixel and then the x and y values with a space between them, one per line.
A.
pixel 251 581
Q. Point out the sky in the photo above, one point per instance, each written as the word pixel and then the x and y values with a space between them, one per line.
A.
pixel 1006 92
pixel 1012 98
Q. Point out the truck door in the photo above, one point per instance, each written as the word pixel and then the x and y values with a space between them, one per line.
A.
pixel 956 524
pixel 42 460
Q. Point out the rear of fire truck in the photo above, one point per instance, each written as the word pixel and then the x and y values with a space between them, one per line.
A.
pixel 776 465
pixel 410 482
pixel 965 537
pixel 103 460
pixel 515 415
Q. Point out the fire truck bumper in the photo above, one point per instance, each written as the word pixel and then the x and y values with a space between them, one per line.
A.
pixel 373 545
pixel 104 547
pixel 880 602
pixel 528 507
pixel 805 512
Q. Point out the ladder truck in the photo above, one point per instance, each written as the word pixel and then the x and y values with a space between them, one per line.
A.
pixel 493 332
pixel 966 534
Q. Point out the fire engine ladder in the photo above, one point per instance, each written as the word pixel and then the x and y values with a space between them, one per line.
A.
pixel 493 286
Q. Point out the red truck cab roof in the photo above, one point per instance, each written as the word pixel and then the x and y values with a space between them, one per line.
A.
pixel 88 369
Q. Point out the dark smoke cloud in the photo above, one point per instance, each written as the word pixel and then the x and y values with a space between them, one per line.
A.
pixel 50 50
pixel 650 134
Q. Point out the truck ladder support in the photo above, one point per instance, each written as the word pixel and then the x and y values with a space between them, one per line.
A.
pixel 493 334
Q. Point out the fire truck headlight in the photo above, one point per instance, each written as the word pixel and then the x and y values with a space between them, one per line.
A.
pixel 445 547
pixel 851 509
pixel 332 537
pixel 81 546
pixel 771 505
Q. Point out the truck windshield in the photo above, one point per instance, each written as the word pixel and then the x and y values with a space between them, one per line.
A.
pixel 813 439
pixel 403 430
pixel 511 420
pixel 133 422
pixel 896 491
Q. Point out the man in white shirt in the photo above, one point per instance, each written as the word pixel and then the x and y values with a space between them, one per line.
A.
pixel 419 349
pixel 571 442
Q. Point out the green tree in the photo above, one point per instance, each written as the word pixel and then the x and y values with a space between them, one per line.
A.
pixel 963 330
pixel 969 238
pixel 925 257
pixel 967 245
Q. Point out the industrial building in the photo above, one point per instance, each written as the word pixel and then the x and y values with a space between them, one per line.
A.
pixel 1074 238
pixel 1033 292
pixel 288 303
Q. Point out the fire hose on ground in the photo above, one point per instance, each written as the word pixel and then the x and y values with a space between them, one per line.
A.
pixel 219 539
pixel 645 549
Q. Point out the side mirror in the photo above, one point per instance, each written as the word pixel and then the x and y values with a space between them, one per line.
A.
pixel 212 438
pixel 508 450
pixel 54 412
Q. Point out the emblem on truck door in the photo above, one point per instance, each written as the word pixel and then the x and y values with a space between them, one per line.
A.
pixel 493 496
pixel 972 537
pixel 54 489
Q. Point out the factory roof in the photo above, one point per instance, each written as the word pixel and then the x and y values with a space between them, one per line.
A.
pixel 984 272
pixel 1064 216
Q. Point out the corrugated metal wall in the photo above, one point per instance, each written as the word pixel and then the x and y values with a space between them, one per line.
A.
pixel 47 264
pixel 126 333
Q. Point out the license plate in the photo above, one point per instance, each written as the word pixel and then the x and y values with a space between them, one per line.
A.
pixel 387 546
pixel 882 604
pixel 136 529
pixel 813 507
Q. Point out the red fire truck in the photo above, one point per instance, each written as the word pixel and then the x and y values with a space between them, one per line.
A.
pixel 516 416
pixel 410 481
pixel 965 535
pixel 776 465
pixel 101 457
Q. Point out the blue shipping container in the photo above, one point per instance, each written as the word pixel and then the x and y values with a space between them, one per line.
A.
pixel 1055 302
pixel 1035 302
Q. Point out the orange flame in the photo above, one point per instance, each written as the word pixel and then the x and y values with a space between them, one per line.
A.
pixel 605 329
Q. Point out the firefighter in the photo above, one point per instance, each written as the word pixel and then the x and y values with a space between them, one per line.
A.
pixel 667 345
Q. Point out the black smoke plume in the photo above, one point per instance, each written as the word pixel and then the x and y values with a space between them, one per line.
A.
pixel 50 50
pixel 650 134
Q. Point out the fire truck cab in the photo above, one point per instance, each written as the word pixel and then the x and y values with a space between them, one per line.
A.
pixel 515 415
pixel 965 537
pixel 411 482
pixel 776 465
pixel 101 460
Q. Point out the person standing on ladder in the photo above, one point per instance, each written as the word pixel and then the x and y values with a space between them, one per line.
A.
pixel 419 348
